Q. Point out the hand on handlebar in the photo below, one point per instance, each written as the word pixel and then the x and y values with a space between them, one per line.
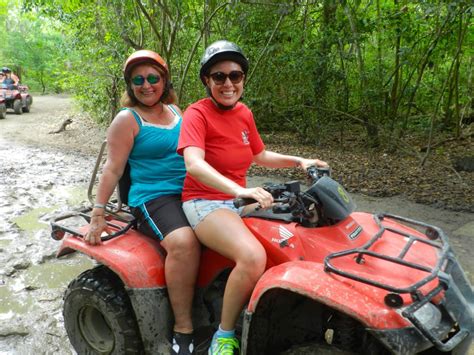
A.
pixel 263 197
pixel 97 226
pixel 306 163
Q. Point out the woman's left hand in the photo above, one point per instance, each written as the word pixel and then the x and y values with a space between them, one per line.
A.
pixel 306 163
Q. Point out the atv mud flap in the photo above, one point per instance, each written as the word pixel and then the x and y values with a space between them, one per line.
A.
pixel 154 318
pixel 454 332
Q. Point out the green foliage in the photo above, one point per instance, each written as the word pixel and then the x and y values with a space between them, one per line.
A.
pixel 315 65
pixel 32 50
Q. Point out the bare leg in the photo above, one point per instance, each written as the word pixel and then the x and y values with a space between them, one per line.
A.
pixel 181 268
pixel 225 232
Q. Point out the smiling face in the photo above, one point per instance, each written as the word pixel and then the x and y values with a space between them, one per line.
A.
pixel 148 94
pixel 226 94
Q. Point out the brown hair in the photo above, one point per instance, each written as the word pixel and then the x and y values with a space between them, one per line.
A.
pixel 169 95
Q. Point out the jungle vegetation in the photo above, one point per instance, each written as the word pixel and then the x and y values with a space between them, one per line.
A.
pixel 318 67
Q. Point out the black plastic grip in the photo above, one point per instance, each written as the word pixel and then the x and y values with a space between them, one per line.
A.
pixel 243 201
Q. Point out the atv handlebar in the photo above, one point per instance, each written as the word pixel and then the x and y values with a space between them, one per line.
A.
pixel 282 193
pixel 243 201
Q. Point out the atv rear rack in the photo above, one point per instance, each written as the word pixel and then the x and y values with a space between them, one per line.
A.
pixel 128 221
pixel 458 293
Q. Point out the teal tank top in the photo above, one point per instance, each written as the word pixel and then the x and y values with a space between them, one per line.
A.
pixel 155 167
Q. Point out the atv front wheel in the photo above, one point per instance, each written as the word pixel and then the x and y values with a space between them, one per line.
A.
pixel 17 107
pixel 28 102
pixel 98 315
pixel 26 108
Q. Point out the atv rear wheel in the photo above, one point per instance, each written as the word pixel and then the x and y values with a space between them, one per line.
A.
pixel 17 107
pixel 98 315
pixel 3 112
pixel 26 108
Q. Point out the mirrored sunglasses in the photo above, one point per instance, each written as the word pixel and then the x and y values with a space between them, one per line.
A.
pixel 220 78
pixel 139 80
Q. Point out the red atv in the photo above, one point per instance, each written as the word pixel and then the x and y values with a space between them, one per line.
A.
pixel 335 278
pixel 16 97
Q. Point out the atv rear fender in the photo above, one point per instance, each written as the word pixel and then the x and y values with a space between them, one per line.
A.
pixel 138 260
pixel 310 280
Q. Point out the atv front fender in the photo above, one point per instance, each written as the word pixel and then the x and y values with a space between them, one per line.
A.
pixel 138 260
pixel 360 301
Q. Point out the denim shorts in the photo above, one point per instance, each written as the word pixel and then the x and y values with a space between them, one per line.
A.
pixel 198 209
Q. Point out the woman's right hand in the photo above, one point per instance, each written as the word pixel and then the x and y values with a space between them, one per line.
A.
pixel 96 227
pixel 263 197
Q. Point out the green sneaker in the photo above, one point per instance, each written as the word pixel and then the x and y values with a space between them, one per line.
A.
pixel 224 346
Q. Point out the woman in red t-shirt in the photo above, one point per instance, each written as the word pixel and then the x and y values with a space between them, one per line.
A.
pixel 219 141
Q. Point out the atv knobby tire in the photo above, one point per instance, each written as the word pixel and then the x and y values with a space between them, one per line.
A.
pixel 98 315
pixel 17 107
pixel 3 112
pixel 26 108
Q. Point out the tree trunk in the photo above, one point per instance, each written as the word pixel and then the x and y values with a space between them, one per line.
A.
pixel 396 76
pixel 367 108
pixel 422 66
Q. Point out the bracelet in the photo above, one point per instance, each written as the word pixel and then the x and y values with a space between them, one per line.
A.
pixel 99 205
pixel 97 215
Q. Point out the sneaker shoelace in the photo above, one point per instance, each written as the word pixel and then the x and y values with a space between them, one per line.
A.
pixel 226 346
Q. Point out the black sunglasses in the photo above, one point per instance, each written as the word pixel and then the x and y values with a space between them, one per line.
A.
pixel 139 80
pixel 220 78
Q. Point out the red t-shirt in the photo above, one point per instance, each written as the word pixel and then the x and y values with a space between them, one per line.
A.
pixel 229 139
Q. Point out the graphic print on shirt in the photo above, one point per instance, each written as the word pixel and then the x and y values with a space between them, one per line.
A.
pixel 245 137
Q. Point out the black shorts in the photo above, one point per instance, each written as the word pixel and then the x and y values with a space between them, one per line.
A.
pixel 161 216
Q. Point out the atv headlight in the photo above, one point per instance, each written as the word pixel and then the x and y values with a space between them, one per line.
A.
pixel 429 315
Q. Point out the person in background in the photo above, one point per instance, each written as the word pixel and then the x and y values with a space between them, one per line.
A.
pixel 9 77
pixel 219 140
pixel 145 134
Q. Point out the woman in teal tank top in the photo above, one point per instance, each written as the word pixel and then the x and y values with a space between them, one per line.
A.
pixel 144 135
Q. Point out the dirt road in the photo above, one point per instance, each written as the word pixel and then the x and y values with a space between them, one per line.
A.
pixel 43 174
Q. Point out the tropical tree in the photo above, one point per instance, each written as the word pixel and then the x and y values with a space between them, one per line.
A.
pixel 317 66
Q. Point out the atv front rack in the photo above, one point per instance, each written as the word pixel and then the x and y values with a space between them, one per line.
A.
pixel 58 230
pixel 458 293
pixel 436 239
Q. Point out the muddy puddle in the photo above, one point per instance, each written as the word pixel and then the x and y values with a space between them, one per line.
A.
pixel 35 185
pixel 38 183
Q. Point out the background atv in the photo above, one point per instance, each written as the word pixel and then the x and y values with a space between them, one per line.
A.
pixel 362 283
pixel 17 98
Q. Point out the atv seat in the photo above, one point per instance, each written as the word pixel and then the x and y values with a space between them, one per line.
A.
pixel 123 186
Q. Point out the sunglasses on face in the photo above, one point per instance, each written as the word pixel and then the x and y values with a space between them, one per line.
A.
pixel 139 80
pixel 220 78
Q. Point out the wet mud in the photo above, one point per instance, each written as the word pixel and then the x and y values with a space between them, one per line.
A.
pixel 36 184
pixel 42 175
